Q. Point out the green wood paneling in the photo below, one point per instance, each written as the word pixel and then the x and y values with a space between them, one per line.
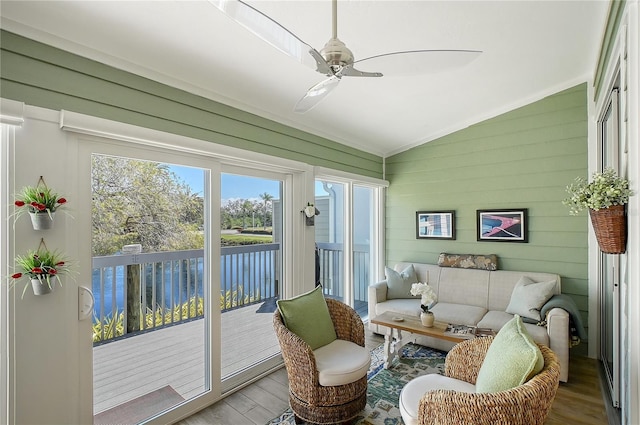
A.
pixel 522 159
pixel 41 75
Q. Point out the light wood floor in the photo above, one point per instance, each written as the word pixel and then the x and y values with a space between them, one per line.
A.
pixel 578 402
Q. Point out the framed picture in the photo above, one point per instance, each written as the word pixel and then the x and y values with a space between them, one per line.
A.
pixel 508 225
pixel 435 225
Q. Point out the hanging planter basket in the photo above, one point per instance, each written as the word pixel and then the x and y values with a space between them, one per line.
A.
pixel 41 203
pixel 41 287
pixel 42 220
pixel 610 225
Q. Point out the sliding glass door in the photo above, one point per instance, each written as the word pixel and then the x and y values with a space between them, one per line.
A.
pixel 250 270
pixel 348 236
pixel 609 264
pixel 150 279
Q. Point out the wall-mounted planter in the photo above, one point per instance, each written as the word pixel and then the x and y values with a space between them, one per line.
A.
pixel 610 226
pixel 41 287
pixel 41 203
pixel 42 268
pixel 42 220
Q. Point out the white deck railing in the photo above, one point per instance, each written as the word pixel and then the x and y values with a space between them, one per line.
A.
pixel 167 287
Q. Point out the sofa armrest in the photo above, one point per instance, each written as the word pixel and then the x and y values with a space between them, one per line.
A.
pixel 558 330
pixel 377 293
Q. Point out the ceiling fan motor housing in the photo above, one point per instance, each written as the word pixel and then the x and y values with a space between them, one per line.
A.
pixel 336 53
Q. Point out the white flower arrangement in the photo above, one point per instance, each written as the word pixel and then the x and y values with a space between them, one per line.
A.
pixel 606 189
pixel 427 295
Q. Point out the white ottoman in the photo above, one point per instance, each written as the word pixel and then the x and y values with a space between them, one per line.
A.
pixel 412 393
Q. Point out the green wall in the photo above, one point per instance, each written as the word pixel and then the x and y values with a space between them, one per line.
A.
pixel 40 75
pixel 522 159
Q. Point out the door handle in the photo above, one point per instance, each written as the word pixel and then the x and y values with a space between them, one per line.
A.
pixel 85 302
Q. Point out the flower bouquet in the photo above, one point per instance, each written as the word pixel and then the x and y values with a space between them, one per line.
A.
pixel 427 295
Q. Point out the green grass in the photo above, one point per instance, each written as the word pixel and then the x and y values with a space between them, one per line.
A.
pixel 241 239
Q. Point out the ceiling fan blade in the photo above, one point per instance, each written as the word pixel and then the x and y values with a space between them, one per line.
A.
pixel 417 62
pixel 315 94
pixel 273 33
pixel 350 71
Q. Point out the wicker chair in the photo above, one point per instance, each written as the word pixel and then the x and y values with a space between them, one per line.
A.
pixel 527 404
pixel 309 400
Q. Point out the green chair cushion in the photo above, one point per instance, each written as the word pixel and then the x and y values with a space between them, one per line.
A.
pixel 307 316
pixel 512 359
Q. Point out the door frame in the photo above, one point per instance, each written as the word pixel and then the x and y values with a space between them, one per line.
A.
pixel 85 131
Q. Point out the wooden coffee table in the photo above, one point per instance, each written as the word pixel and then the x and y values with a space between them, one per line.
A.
pixel 397 323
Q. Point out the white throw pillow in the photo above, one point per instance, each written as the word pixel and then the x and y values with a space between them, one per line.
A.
pixel 528 297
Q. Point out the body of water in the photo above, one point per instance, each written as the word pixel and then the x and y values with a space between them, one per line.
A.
pixel 250 274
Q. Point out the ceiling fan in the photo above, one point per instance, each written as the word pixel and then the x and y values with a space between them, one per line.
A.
pixel 335 60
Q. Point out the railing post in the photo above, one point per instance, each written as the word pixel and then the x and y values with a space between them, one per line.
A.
pixel 134 277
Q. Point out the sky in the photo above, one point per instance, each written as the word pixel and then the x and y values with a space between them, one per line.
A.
pixel 233 186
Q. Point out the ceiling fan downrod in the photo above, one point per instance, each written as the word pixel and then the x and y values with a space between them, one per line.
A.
pixel 335 52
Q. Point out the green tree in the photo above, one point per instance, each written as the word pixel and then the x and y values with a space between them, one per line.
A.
pixel 266 199
pixel 247 208
pixel 142 202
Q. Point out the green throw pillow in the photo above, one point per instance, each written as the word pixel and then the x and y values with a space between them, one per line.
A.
pixel 307 316
pixel 528 297
pixel 512 359
pixel 399 284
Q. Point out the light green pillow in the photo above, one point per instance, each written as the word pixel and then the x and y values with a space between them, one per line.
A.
pixel 512 359
pixel 528 297
pixel 307 316
pixel 399 284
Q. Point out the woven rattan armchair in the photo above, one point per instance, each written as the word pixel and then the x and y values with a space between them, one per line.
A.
pixel 527 404
pixel 309 400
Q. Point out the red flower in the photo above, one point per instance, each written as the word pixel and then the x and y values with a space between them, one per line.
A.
pixel 62 201
pixel 33 204
pixel 36 270
pixel 41 207
pixel 19 203
pixel 16 275
pixel 53 271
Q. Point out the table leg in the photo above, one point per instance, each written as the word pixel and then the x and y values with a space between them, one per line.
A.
pixel 388 348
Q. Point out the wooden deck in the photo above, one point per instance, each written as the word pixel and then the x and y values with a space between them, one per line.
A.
pixel 129 368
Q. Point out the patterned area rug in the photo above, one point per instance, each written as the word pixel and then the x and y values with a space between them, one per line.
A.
pixel 385 384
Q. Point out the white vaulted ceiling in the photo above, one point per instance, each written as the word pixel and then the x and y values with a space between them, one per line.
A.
pixel 530 49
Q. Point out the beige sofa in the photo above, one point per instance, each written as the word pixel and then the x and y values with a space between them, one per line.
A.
pixel 474 297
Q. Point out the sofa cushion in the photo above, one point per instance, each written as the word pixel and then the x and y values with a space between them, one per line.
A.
pixel 412 393
pixel 341 362
pixel 458 313
pixel 528 297
pixel 464 286
pixel 307 316
pixel 399 283
pixel 497 319
pixel 502 282
pixel 511 360
pixel 410 307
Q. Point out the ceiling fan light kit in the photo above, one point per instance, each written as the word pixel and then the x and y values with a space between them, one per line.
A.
pixel 335 60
